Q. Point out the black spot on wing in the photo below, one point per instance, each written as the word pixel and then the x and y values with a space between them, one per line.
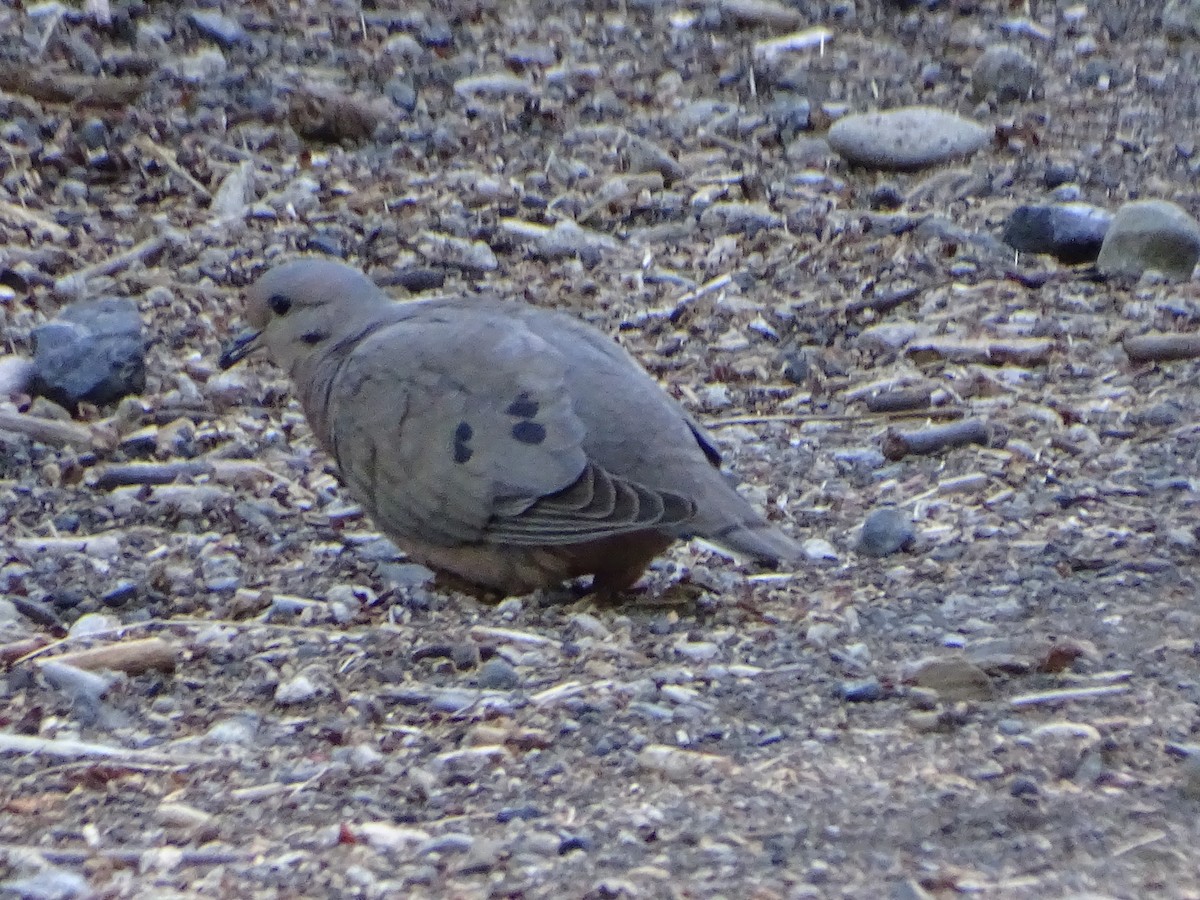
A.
pixel 529 432
pixel 462 437
pixel 524 407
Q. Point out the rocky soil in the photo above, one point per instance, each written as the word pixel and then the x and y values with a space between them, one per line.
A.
pixel 217 679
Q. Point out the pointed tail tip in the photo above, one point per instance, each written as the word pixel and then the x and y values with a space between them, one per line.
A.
pixel 763 542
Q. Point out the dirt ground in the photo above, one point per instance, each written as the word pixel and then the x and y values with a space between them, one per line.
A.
pixel 1007 708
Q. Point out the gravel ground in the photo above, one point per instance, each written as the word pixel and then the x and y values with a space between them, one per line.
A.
pixel 282 706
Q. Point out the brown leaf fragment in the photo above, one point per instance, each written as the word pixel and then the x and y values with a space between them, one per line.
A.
pixel 1161 347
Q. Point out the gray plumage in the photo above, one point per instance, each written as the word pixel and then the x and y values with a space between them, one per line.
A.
pixel 511 445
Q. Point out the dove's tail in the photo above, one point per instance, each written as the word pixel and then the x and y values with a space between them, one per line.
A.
pixel 726 518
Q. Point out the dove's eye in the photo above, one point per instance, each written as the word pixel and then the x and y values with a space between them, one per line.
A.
pixel 279 304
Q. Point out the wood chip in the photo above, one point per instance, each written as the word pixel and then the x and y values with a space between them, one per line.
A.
pixel 133 657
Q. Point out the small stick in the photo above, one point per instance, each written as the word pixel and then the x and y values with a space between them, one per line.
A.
pixel 900 400
pixel 1014 351
pixel 108 477
pixel 131 657
pixel 1061 696
pixel 885 302
pixel 167 158
pixel 897 445
pixel 1162 347
pixel 945 412
pixel 68 283
pixel 12 652
pixel 26 217
pixel 46 431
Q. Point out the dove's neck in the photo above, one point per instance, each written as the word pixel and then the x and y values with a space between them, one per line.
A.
pixel 317 372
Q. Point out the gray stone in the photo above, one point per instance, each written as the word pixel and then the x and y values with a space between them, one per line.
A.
pixel 1072 232
pixel 1151 234
pixel 1181 19
pixel 217 27
pixel 912 137
pixel 885 531
pixel 499 675
pixel 1003 72
pixel 93 352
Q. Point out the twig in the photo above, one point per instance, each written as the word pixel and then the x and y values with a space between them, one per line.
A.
pixel 675 310
pixel 75 282
pixel 167 158
pixel 26 217
pixel 132 657
pixel 945 412
pixel 901 400
pixel 77 856
pixel 897 444
pixel 65 747
pixel 1162 347
pixel 46 431
pixel 108 477
pixel 1016 351
pixel 1066 694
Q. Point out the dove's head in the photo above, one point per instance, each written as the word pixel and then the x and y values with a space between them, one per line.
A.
pixel 301 307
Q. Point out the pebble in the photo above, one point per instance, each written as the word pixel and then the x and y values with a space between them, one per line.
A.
pixel 494 85
pixel 866 690
pixel 1059 173
pixel 296 690
pixel 885 531
pixel 911 137
pixel 92 623
pixel 78 684
pixel 888 336
pixel 16 372
pixel 819 550
pixel 206 63
pixel 1071 232
pixel 1151 234
pixel 953 677
pixel 498 674
pixel 8 612
pixel 49 884
pixel 217 27
pixel 92 351
pixel 236 730
pixel 1004 72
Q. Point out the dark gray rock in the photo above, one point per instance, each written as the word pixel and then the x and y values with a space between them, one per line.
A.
pixel 1151 234
pixel 1072 232
pixel 93 352
pixel 498 674
pixel 885 531
pixel 1003 72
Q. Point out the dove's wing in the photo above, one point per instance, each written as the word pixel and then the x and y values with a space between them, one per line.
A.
pixel 455 425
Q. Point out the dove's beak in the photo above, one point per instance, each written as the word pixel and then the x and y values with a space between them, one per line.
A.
pixel 240 347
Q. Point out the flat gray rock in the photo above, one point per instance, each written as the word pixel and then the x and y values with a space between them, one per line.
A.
pixel 93 352
pixel 912 137
pixel 1151 234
